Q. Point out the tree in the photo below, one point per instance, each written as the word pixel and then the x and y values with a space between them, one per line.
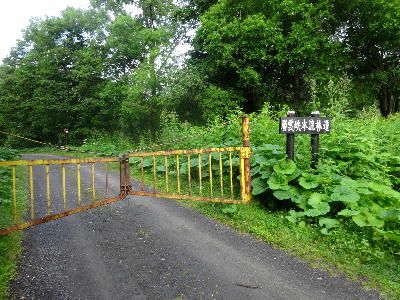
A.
pixel 141 54
pixel 265 50
pixel 369 30
pixel 54 76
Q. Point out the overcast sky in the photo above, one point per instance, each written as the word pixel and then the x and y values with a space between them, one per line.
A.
pixel 15 16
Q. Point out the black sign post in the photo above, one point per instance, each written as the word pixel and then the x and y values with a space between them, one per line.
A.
pixel 314 144
pixel 290 139
pixel 314 125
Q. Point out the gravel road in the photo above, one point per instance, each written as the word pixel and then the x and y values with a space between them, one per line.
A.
pixel 147 248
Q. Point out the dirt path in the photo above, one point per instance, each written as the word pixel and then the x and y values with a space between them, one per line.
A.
pixel 146 248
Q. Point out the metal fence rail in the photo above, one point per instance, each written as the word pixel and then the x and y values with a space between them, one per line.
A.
pixel 65 192
pixel 198 174
pixel 75 185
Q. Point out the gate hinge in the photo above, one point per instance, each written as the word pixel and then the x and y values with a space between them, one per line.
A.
pixel 245 152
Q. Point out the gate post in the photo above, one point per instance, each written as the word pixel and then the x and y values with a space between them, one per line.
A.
pixel 124 176
pixel 245 157
pixel 290 139
pixel 314 144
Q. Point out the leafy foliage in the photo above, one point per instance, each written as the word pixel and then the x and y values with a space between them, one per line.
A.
pixel 285 51
pixel 5 175
pixel 10 245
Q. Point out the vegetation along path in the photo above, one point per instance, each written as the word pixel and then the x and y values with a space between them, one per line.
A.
pixel 157 249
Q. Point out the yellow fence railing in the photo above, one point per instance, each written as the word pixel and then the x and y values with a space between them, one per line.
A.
pixel 214 174
pixel 60 187
pixel 56 188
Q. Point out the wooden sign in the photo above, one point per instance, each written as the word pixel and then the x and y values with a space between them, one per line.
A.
pixel 304 125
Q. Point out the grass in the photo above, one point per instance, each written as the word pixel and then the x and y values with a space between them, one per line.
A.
pixel 10 245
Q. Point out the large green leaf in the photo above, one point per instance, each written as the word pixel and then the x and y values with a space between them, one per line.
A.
pixel 344 193
pixel 291 193
pixel 348 213
pixel 301 201
pixel 259 186
pixel 296 174
pixel 368 219
pixel 349 182
pixel 278 182
pixel 384 191
pixel 327 223
pixel 309 181
pixel 390 215
pixel 285 166
pixel 318 210
pixel 255 170
pixel 319 205
pixel 261 160
pixel 147 162
pixel 282 195
pixel 374 221
pixel 266 172
pixel 316 199
pixel 294 216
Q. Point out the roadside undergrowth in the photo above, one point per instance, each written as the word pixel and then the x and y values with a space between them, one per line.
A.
pixel 10 245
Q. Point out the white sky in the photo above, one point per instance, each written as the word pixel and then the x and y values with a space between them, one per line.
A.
pixel 15 16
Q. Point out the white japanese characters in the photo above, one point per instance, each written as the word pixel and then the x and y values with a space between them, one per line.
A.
pixel 304 125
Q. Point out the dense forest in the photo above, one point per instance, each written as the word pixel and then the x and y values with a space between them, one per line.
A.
pixel 120 65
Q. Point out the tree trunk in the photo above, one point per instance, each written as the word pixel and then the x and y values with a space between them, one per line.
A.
pixel 396 99
pixel 384 101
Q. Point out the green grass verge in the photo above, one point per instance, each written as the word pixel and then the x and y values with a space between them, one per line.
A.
pixel 10 245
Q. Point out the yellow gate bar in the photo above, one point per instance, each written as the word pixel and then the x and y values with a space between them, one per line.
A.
pixel 142 174
pixel 73 161
pixel 93 184
pixel 185 197
pixel 178 173
pixel 14 183
pixel 200 183
pixel 59 215
pixel 154 174
pixel 166 173
pixel 106 179
pixel 32 192
pixel 221 182
pixel 64 187
pixel 78 176
pixel 183 152
pixel 231 173
pixel 189 179
pixel 211 175
pixel 48 190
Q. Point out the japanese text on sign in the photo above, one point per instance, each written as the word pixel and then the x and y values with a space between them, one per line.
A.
pixel 309 125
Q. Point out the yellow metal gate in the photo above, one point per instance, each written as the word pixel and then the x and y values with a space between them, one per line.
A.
pixel 75 185
pixel 198 174
pixel 64 192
